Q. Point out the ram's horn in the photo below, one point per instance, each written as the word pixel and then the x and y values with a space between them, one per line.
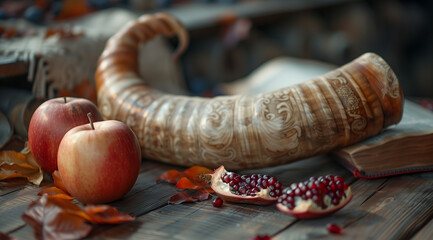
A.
pixel 336 109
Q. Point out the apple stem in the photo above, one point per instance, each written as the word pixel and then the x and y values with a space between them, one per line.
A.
pixel 89 115
pixel 64 98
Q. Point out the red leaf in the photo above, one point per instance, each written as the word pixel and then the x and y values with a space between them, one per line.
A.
pixel 200 195
pixel 181 197
pixel 54 218
pixel 106 214
pixel 171 176
pixel 189 196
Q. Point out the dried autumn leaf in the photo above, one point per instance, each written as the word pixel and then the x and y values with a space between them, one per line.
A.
pixel 104 214
pixel 56 218
pixel 192 180
pixel 55 192
pixel 185 183
pixel 196 174
pixel 20 164
pixel 188 196
pixel 181 197
pixel 171 176
pixel 58 182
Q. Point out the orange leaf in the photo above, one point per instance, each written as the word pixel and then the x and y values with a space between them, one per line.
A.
pixel 55 192
pixel 196 174
pixel 192 178
pixel 185 183
pixel 58 182
pixel 86 89
pixel 208 189
pixel 171 176
pixel 20 164
pixel 106 214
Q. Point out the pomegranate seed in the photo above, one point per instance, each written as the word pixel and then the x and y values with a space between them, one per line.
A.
pixel 315 189
pixel 250 185
pixel 217 202
pixel 272 181
pixel 261 237
pixel 335 201
pixel 334 228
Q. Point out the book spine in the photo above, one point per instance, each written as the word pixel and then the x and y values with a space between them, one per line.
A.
pixel 362 174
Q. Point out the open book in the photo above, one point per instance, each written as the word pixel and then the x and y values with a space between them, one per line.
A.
pixel 404 148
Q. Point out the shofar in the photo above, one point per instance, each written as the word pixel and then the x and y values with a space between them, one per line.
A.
pixel 336 109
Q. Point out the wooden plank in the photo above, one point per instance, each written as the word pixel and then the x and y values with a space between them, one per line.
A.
pixel 203 221
pixel 13 204
pixel 143 197
pixel 156 219
pixel 236 221
pixel 393 208
pixel 426 232
pixel 11 185
pixel 146 193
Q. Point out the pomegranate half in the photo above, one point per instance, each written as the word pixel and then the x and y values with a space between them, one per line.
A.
pixel 254 189
pixel 316 197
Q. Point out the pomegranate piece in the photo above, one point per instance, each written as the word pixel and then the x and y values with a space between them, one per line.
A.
pixel 334 228
pixel 316 197
pixel 255 189
pixel 261 237
pixel 218 202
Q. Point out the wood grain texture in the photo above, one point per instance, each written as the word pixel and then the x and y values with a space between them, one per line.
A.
pixel 387 208
pixel 13 204
pixel 238 221
pixel 336 109
pixel 393 208
pixel 426 232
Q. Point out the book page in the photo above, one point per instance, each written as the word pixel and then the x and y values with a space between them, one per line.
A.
pixel 416 120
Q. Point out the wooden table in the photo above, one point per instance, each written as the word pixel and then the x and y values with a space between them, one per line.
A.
pixel 399 207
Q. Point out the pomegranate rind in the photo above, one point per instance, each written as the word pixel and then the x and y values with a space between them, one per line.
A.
pixel 313 211
pixel 223 191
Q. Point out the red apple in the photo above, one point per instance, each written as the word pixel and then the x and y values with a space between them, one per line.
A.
pixel 99 162
pixel 51 121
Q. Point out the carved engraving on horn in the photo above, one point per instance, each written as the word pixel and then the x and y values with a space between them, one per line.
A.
pixel 336 109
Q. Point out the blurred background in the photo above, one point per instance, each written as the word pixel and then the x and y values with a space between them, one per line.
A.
pixel 50 48
pixel 230 38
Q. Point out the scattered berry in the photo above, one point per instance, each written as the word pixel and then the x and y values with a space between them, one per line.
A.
pixel 261 237
pixel 334 228
pixel 218 202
